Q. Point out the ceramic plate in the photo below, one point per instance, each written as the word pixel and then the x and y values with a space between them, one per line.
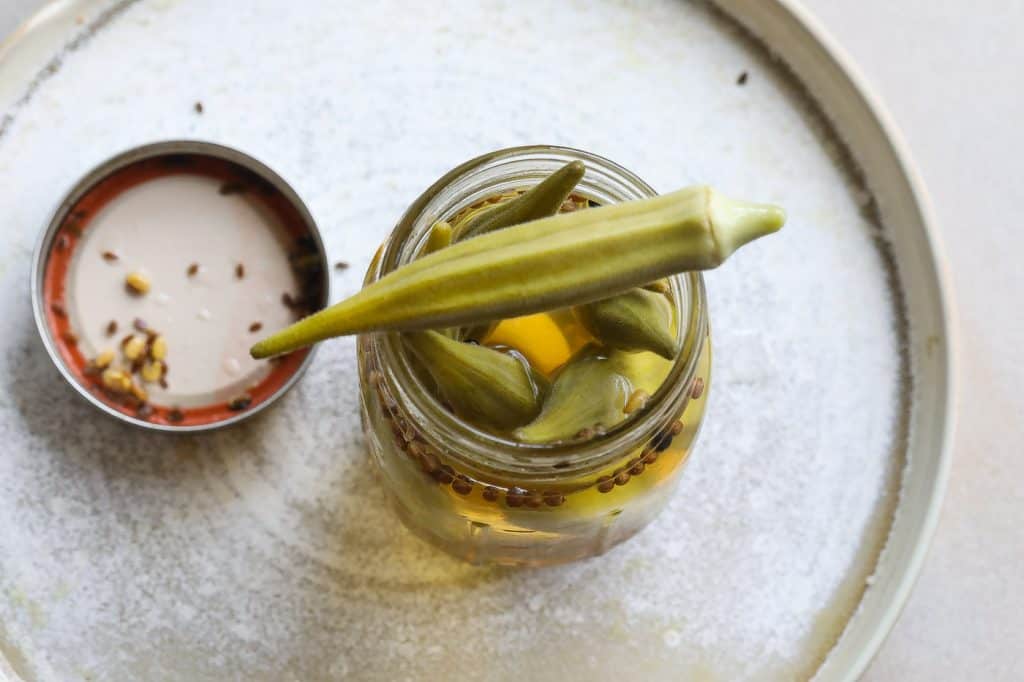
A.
pixel 265 551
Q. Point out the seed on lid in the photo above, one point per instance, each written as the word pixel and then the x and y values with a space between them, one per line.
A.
pixel 138 391
pixel 103 360
pixel 137 283
pixel 158 349
pixel 152 371
pixel 240 403
pixel 116 380
pixel 135 348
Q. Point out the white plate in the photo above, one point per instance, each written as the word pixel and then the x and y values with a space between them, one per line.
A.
pixel 264 553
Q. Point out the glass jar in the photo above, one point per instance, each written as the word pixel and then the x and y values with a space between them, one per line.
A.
pixel 488 499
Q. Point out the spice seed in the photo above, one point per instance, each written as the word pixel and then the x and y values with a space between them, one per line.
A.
pixel 109 256
pixel 444 475
pixel 58 309
pixel 698 388
pixel 622 478
pixel 462 487
pixel 198 107
pixel 554 499
pixel 605 484
pixel 145 411
pixel 287 300
pixel 650 455
pixel 240 403
pixel 637 468
pixel 192 269
pixel 240 271
pixel 534 500
pixel 175 415
pixel 429 462
pixel 255 327
pixel 341 265
pixel 103 360
pixel 676 428
pixel 490 493
pixel 742 78
pixel 62 243
pixel 637 401
pixel 152 371
pixel 137 283
pixel 158 349
pixel 135 348
pixel 111 328
pixel 70 338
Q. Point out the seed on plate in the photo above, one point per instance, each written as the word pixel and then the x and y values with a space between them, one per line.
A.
pixel 198 107
pixel 109 256
pixel 341 265
pixel 240 271
pixel 175 415
pixel 145 411
pixel 192 269
pixel 158 349
pixel 135 348
pixel 152 371
pixel 62 243
pixel 58 309
pixel 111 328
pixel 70 338
pixel 255 327
pixel 137 283
pixel 742 78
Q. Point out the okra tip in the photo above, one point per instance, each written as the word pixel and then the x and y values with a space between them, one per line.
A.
pixel 736 222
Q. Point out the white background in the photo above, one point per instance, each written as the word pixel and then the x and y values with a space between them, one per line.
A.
pixel 950 73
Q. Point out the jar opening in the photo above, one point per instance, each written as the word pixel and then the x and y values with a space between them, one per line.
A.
pixel 468 184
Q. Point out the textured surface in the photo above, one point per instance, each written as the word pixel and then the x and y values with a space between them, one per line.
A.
pixel 263 552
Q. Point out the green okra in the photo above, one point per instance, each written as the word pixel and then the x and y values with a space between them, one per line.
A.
pixel 587 394
pixel 563 260
pixel 481 384
pixel 440 237
pixel 633 321
pixel 540 201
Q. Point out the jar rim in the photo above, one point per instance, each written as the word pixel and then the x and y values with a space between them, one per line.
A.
pixel 484 449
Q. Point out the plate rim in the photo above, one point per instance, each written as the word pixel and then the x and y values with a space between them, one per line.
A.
pixel 44 34
pixel 854 657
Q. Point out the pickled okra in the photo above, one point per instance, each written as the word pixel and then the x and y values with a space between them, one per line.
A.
pixel 565 259
pixel 587 287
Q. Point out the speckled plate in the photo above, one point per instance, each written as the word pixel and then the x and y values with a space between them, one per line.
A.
pixel 265 552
